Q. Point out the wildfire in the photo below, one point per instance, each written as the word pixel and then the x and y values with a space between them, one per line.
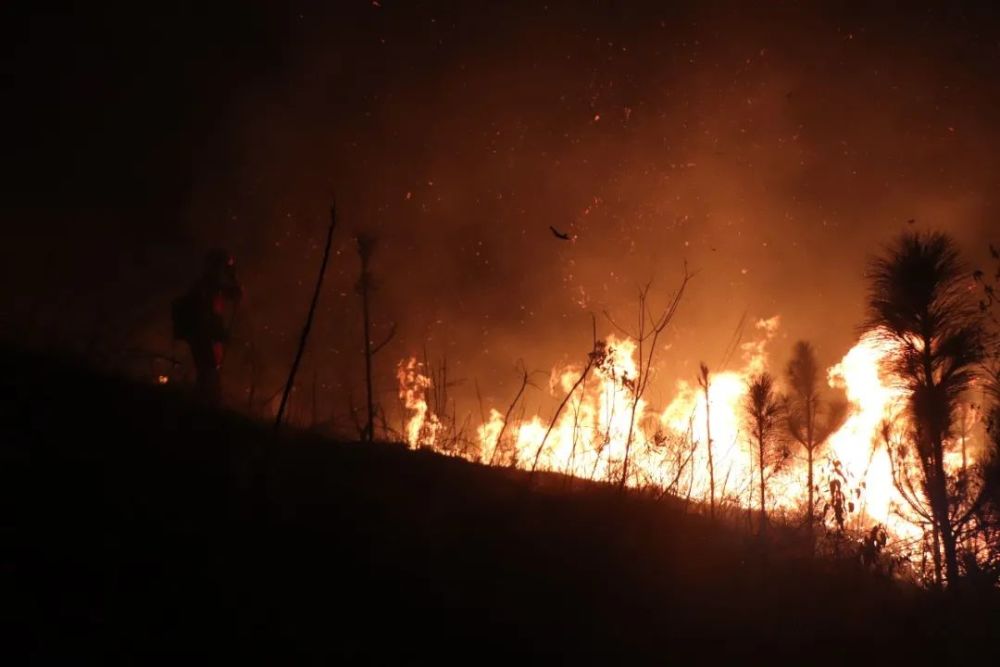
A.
pixel 853 454
pixel 670 449
pixel 423 425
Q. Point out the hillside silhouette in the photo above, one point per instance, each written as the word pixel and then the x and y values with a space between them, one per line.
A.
pixel 145 528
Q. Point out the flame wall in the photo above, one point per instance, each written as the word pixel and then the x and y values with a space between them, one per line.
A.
pixel 669 444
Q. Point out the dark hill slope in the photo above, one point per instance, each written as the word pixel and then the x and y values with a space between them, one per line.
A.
pixel 140 530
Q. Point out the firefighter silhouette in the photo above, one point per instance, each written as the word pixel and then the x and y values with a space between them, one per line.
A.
pixel 199 318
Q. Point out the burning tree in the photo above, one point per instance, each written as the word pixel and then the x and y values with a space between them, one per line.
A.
pixel 764 412
pixel 810 418
pixel 919 302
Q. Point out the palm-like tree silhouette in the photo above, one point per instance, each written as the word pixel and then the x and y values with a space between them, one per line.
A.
pixel 918 298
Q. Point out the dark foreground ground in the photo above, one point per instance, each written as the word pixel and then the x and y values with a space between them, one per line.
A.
pixel 137 529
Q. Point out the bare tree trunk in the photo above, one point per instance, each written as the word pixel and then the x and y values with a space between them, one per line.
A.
pixel 965 431
pixel 576 437
pixel 628 441
pixel 656 326
pixel 366 246
pixel 711 461
pixel 639 380
pixel 369 402
pixel 704 381
pixel 937 553
pixel 763 510
pixel 811 446
pixel 939 499
pixel 555 417
pixel 506 418
pixel 936 482
pixel 309 320
pixel 811 517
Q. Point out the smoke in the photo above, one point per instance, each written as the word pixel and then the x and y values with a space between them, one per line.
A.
pixel 772 150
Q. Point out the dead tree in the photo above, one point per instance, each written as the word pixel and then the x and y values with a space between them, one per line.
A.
pixel 649 328
pixel 366 285
pixel 309 320
pixel 597 355
pixel 570 463
pixel 594 358
pixel 703 382
pixel 506 418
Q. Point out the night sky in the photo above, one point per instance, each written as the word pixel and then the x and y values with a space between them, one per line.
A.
pixel 774 149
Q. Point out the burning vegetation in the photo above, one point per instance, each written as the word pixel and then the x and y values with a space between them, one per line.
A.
pixel 886 454
pixel 507 177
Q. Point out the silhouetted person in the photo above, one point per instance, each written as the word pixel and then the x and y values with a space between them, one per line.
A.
pixel 199 319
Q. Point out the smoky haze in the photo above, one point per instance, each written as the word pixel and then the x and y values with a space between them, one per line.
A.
pixel 773 150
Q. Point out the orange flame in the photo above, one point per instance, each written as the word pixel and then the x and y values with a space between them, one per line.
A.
pixel 668 449
pixel 423 425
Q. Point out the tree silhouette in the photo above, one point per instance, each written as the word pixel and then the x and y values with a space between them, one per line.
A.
pixel 704 383
pixel 810 418
pixel 988 520
pixel 919 301
pixel 365 286
pixel 647 333
pixel 309 320
pixel 764 410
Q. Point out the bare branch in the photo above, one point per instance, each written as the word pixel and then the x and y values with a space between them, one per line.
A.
pixel 389 337
pixel 506 419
